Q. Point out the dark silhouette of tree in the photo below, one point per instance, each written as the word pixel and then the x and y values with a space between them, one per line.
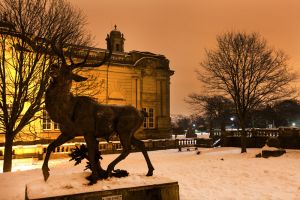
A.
pixel 180 123
pixel 33 34
pixel 215 109
pixel 281 113
pixel 245 69
pixel 287 112
pixel 262 117
pixel 199 122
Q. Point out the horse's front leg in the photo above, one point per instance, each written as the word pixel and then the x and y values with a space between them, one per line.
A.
pixel 101 172
pixel 92 143
pixel 62 138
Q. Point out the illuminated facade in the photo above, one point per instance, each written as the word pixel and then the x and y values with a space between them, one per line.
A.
pixel 140 79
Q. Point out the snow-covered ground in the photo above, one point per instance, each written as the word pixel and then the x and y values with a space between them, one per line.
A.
pixel 220 173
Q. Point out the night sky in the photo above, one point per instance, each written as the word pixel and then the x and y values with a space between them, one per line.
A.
pixel 182 30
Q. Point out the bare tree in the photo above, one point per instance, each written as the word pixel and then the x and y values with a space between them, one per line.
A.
pixel 92 87
pixel 30 34
pixel 180 123
pixel 287 112
pixel 213 108
pixel 244 68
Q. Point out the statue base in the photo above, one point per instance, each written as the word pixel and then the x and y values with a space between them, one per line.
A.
pixel 133 187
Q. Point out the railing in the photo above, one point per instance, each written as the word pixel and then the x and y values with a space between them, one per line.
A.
pixel 38 150
pixel 115 146
pixel 186 142
pixel 289 138
pixel 260 132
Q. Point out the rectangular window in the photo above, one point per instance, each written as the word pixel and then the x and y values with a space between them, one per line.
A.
pixel 46 121
pixel 149 121
pixel 145 118
pixel 56 126
pixel 151 118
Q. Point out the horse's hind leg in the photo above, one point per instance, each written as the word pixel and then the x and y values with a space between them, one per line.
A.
pixel 139 144
pixel 122 156
pixel 125 141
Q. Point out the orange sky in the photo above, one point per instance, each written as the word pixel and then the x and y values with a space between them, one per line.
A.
pixel 182 29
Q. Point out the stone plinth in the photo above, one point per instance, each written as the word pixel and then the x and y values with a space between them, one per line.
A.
pixel 271 152
pixel 134 187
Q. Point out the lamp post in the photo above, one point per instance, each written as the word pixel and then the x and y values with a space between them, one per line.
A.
pixel 232 121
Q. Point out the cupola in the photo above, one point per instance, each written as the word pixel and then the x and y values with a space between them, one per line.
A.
pixel 117 40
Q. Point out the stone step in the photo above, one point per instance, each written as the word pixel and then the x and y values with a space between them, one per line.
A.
pixel 150 188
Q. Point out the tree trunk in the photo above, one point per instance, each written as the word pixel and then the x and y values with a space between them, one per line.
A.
pixel 223 134
pixel 211 129
pixel 243 142
pixel 243 137
pixel 8 151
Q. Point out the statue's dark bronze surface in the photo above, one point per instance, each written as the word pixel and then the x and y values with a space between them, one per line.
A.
pixel 83 116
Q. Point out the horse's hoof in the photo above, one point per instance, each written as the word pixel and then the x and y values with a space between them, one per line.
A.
pixel 150 173
pixel 92 179
pixel 119 173
pixel 103 175
pixel 92 182
pixel 46 174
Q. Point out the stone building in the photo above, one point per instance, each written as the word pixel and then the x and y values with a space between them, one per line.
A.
pixel 141 79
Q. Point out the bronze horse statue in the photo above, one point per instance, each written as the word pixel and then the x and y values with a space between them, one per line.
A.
pixel 83 116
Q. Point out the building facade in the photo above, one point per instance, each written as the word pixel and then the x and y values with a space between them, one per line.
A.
pixel 140 79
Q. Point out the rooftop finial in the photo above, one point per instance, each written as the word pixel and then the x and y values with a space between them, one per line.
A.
pixel 115 27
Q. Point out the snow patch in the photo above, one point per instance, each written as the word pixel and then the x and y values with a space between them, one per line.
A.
pixel 219 173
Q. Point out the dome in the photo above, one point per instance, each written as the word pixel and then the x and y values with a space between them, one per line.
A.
pixel 116 40
pixel 115 33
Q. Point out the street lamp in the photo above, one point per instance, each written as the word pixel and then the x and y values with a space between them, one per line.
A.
pixel 232 120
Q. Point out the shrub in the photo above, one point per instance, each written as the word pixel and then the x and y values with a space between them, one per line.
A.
pixel 273 142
